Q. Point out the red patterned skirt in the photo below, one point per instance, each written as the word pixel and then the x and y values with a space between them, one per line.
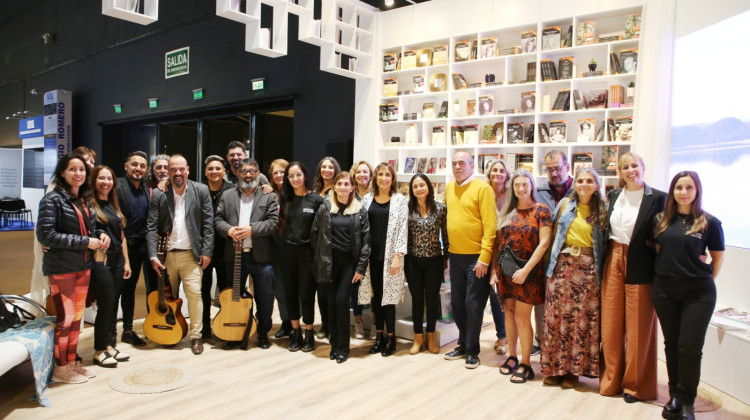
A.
pixel 571 319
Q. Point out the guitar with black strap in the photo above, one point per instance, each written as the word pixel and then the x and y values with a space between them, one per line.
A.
pixel 235 320
pixel 165 323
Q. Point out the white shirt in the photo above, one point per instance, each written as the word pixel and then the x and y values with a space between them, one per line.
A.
pixel 624 215
pixel 179 238
pixel 466 181
pixel 246 210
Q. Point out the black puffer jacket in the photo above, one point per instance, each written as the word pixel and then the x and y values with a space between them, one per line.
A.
pixel 320 238
pixel 57 227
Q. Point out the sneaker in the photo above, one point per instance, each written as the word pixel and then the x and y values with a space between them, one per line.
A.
pixel 535 350
pixel 471 362
pixel 359 329
pixel 457 353
pixel 373 331
pixel 67 375
pixel 78 367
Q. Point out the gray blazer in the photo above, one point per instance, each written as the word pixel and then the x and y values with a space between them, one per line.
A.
pixel 199 218
pixel 264 220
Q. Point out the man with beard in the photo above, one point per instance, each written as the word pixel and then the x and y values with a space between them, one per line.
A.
pixel 133 198
pixel 185 213
pixel 248 215
pixel 236 153
pixel 159 172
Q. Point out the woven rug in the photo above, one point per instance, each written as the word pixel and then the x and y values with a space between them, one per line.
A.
pixel 706 400
pixel 152 379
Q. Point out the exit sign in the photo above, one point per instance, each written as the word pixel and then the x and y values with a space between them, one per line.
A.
pixel 177 63
pixel 259 84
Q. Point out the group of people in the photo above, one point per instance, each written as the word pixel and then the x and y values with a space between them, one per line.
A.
pixel 595 271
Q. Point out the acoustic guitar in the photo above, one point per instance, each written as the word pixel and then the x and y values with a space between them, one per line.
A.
pixel 231 323
pixel 164 324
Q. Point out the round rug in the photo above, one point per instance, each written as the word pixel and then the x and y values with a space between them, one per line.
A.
pixel 152 379
pixel 706 400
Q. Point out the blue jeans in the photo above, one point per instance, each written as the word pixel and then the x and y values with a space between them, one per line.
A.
pixel 498 315
pixel 263 286
pixel 468 299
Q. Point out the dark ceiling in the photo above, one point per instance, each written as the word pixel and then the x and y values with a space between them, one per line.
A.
pixel 380 4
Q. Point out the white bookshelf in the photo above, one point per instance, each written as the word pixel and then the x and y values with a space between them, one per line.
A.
pixel 128 10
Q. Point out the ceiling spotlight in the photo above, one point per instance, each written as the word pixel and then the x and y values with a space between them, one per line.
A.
pixel 389 3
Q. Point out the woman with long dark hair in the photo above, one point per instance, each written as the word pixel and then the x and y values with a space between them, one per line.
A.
pixel 684 292
pixel 66 225
pixel 362 173
pixel 298 208
pixel 341 237
pixel 427 258
pixel 384 281
pixel 111 266
pixel 276 171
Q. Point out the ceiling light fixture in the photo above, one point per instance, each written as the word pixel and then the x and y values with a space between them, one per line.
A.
pixel 389 3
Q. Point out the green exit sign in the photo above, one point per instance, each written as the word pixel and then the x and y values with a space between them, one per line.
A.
pixel 197 94
pixel 259 84
pixel 153 103
pixel 118 109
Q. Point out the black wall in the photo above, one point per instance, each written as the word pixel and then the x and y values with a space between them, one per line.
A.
pixel 105 61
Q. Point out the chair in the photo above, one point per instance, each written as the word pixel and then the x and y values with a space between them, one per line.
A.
pixel 15 209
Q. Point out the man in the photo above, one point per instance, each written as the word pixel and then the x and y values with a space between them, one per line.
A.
pixel 185 213
pixel 133 198
pixel 159 172
pixel 236 153
pixel 471 233
pixel 559 185
pixel 246 214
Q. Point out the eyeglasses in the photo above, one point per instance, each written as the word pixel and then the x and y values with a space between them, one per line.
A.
pixel 558 169
pixel 251 171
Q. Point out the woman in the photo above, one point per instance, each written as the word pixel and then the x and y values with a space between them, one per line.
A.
pixel 215 171
pixel 341 236
pixel 66 225
pixel 276 174
pixel 525 227
pixel 298 208
pixel 628 356
pixel 497 176
pixel 427 258
pixel 570 347
pixel 384 281
pixel 110 267
pixel 684 292
pixel 327 169
pixel 362 173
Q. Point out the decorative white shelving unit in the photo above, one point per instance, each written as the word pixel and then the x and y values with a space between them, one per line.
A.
pixel 127 10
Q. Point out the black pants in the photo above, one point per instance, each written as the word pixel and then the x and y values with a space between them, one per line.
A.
pixel 684 307
pixel 339 292
pixel 299 284
pixel 278 280
pixel 138 259
pixel 263 287
pixel 424 275
pixel 384 314
pixel 221 283
pixel 106 285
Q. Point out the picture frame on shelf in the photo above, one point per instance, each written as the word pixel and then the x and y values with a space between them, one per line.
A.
pixel 558 130
pixel 528 41
pixel 424 57
pixel 438 82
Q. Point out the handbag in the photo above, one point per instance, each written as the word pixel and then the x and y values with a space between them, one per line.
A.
pixel 12 318
pixel 510 263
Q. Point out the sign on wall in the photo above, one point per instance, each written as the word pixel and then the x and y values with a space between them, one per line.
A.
pixel 177 62
pixel 58 128
pixel 10 172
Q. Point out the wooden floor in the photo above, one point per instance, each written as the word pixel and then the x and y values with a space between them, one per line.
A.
pixel 275 383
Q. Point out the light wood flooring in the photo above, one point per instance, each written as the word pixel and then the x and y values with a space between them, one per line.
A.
pixel 275 383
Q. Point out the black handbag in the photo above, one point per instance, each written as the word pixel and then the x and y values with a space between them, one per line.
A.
pixel 12 318
pixel 510 263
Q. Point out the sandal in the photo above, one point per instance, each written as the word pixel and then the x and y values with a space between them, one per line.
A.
pixel 105 360
pixel 506 369
pixel 120 356
pixel 526 375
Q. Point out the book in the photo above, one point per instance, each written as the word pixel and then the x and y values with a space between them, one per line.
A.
pixel 543 132
pixel 471 134
pixel 528 101
pixel 632 26
pixel 600 132
pixel 485 159
pixel 422 165
pixel 486 105
pixel 459 82
pixel 411 135
pixel 428 110
pixel 515 132
pixel 629 60
pixel 403 188
pixel 424 57
pixel 614 63
pixel 623 128
pixel 548 70
pixel 390 86
pixel 596 99
pixel 578 99
pixel 562 102
pixel 439 55
pixel 392 112
pixel 443 113
pixel 511 161
pixel 528 41
pixel 457 135
pixel 497 132
pixel 393 163
pixel 529 137
pixel 389 62
pixel 409 60
pixel 438 135
pixel 608 38
pixel 509 50
pixel 531 71
pixel 488 48
pixel 609 160
pixel 418 86
pixel 442 164
pixel 473 55
pixel 382 112
pixel 568 42
pixel 565 65
pixel 439 188
pixel 586 33
pixel 462 51
pixel 409 165
pixel 432 166
pixel 471 107
pixel 581 160
pixel 551 38
pixel 486 136
pixel 616 96
pixel 558 131
pixel 611 130
pixel 525 161
pixel 586 130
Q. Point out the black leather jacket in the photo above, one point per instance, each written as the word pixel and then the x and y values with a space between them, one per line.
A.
pixel 320 238
pixel 57 227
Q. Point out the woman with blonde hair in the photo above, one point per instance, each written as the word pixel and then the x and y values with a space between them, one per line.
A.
pixel 362 173
pixel 498 176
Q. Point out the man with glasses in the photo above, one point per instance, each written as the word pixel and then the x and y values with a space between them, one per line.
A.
pixel 471 233
pixel 246 215
pixel 551 192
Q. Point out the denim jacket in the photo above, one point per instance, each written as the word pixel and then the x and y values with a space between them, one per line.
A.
pixel 565 213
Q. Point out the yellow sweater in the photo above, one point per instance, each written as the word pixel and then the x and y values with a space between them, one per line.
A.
pixel 471 218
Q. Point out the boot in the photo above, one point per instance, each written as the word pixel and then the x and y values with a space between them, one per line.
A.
pixel 309 343
pixel 688 412
pixel 417 346
pixel 323 331
pixel 377 347
pixel 295 339
pixel 431 344
pixel 390 346
pixel 285 330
